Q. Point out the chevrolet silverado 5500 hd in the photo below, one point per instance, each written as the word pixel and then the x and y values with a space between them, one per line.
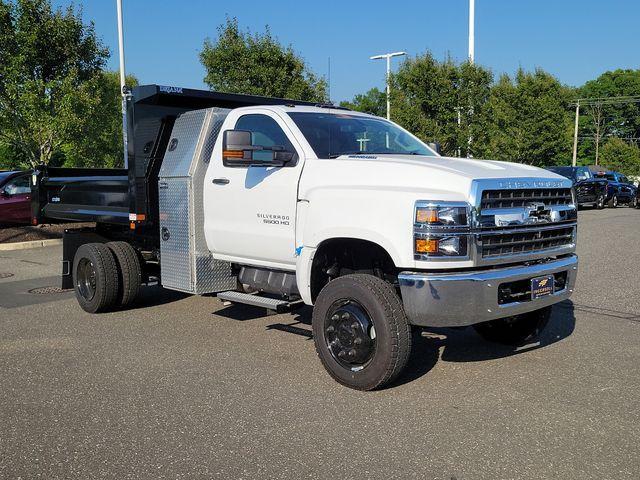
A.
pixel 276 203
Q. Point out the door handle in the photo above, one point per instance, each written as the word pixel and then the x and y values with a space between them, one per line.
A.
pixel 220 181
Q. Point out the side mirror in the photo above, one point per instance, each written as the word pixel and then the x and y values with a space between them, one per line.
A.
pixel 435 146
pixel 238 150
pixel 4 194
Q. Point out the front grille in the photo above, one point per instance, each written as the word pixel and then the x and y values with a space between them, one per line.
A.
pixel 515 243
pixel 523 197
pixel 586 189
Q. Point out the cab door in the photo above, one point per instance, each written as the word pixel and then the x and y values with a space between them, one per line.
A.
pixel 250 211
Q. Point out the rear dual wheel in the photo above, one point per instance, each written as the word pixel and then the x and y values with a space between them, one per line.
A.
pixel 106 275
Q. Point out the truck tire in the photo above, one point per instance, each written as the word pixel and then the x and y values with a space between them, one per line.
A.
pixel 613 202
pixel 361 332
pixel 129 271
pixel 517 330
pixel 95 277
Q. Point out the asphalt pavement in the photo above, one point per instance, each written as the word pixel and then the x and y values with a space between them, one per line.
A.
pixel 185 387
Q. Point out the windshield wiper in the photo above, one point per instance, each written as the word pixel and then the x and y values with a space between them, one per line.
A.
pixel 336 155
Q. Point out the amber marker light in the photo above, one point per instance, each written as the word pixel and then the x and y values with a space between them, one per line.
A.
pixel 233 154
pixel 426 245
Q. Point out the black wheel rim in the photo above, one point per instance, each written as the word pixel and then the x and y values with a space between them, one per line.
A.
pixel 86 279
pixel 350 334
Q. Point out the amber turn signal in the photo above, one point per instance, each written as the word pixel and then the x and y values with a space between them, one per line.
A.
pixel 233 154
pixel 426 215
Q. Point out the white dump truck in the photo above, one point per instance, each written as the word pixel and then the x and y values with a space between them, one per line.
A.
pixel 275 203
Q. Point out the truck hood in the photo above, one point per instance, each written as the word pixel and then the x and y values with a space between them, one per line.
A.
pixel 441 177
pixel 464 167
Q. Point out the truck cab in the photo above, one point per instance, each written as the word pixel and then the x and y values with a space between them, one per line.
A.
pixel 276 204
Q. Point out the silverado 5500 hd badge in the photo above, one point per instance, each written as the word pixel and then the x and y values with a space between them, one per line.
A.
pixel 273 219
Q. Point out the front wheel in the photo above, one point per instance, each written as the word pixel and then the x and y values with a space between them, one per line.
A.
pixel 361 332
pixel 634 202
pixel 613 203
pixel 517 330
pixel 600 202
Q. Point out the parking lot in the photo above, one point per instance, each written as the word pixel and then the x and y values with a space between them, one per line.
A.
pixel 184 387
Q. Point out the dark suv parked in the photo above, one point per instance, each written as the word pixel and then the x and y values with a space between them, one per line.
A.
pixel 589 190
pixel 619 189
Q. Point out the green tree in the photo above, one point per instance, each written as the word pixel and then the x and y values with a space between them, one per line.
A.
pixel 50 66
pixel 528 120
pixel 98 141
pixel 621 156
pixel 604 119
pixel 373 102
pixel 258 64
pixel 442 101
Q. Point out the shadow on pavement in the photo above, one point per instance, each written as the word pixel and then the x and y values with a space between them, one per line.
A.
pixel 302 319
pixel 456 344
pixel 155 295
pixel 465 345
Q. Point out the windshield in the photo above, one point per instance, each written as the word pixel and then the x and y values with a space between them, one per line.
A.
pixel 5 175
pixel 331 135
pixel 564 171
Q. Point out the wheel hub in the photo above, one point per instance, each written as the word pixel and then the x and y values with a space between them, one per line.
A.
pixel 350 334
pixel 86 279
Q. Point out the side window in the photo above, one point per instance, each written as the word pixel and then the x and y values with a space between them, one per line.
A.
pixel 266 132
pixel 624 179
pixel 18 186
pixel 584 174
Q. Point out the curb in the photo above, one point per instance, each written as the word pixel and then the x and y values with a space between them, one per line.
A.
pixel 26 245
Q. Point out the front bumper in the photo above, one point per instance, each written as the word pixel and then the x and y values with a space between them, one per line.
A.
pixel 467 298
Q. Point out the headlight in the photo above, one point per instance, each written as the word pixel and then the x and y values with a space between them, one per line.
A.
pixel 441 246
pixel 444 216
pixel 441 230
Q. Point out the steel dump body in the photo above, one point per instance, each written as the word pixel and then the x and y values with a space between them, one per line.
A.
pixel 120 196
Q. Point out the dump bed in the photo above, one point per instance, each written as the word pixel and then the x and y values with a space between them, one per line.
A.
pixel 122 196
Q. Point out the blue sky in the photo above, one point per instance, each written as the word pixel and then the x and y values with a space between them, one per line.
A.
pixel 575 40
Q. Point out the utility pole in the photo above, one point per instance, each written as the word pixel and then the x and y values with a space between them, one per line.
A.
pixel 575 136
pixel 123 83
pixel 472 31
pixel 388 57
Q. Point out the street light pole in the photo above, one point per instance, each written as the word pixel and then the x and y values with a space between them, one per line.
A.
pixel 123 83
pixel 472 32
pixel 388 57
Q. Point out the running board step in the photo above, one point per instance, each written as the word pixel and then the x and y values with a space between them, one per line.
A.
pixel 274 304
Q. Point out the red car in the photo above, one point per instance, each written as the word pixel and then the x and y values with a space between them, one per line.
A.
pixel 15 197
